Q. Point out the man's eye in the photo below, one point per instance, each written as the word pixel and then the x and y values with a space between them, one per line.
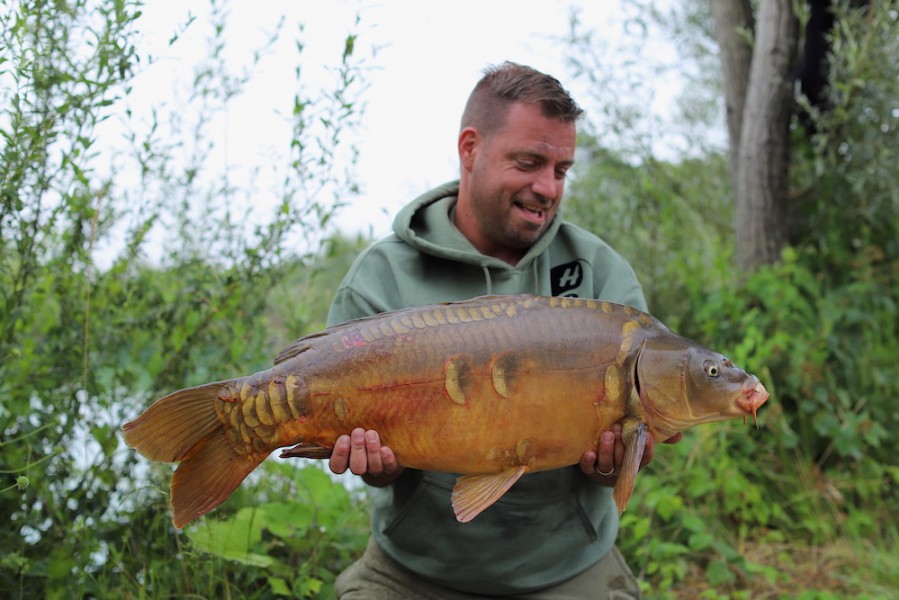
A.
pixel 527 165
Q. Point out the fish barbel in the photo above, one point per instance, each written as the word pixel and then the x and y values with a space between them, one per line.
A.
pixel 491 389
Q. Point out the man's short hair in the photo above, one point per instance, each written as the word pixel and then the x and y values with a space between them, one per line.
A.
pixel 503 85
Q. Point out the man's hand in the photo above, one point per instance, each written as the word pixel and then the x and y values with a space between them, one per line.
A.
pixel 362 453
pixel 605 465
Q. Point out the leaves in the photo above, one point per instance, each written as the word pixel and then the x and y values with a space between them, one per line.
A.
pixel 759 509
pixel 91 330
pixel 297 538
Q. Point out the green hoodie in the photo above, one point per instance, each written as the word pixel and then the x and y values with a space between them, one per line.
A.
pixel 549 526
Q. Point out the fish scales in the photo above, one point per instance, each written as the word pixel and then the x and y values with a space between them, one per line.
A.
pixel 494 387
pixel 414 395
pixel 460 397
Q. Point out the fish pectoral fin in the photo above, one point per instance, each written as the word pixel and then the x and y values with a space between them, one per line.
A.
pixel 472 494
pixel 307 451
pixel 633 434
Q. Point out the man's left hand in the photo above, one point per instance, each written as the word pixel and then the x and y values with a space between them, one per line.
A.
pixel 604 465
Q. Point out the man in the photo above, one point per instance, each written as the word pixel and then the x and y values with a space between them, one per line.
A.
pixel 494 231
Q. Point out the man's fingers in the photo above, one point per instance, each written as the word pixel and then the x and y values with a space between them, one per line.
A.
pixel 388 459
pixel 674 438
pixel 358 452
pixel 648 451
pixel 340 456
pixel 373 453
pixel 609 458
pixel 588 463
pixel 361 452
pixel 618 445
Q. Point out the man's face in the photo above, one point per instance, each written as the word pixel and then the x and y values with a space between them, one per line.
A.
pixel 516 178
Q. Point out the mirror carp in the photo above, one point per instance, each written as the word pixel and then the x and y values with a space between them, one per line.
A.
pixel 491 389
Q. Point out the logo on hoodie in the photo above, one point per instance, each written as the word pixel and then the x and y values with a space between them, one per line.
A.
pixel 566 278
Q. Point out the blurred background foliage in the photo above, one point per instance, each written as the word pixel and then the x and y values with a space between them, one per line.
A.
pixel 802 508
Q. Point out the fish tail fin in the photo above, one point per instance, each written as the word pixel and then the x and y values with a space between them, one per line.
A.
pixel 208 476
pixel 172 426
pixel 634 435
pixel 183 426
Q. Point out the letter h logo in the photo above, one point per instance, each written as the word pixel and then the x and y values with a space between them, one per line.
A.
pixel 567 277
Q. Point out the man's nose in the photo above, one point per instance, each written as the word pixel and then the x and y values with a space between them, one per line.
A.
pixel 546 184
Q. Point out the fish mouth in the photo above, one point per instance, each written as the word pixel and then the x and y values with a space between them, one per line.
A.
pixel 751 399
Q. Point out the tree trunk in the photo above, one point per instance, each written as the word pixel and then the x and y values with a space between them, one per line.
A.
pixel 733 31
pixel 761 181
pixel 758 97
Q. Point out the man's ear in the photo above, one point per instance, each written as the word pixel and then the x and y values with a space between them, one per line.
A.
pixel 470 143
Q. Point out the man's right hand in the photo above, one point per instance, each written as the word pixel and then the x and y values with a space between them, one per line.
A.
pixel 362 453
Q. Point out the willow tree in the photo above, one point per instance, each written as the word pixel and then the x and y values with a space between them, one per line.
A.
pixel 130 263
pixel 757 60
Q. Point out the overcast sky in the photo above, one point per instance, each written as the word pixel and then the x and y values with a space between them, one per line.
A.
pixel 430 56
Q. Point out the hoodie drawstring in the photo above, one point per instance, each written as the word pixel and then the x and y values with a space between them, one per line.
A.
pixel 488 278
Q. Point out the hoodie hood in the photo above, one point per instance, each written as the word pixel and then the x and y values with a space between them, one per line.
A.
pixel 427 225
pixel 428 260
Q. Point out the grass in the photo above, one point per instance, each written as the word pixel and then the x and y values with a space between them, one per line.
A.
pixel 842 568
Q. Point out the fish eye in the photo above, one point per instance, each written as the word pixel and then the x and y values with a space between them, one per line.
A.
pixel 711 368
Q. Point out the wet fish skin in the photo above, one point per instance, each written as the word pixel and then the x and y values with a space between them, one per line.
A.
pixel 491 388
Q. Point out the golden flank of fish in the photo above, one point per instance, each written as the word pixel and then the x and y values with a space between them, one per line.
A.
pixel 491 389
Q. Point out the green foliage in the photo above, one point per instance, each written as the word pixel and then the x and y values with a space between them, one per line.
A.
pixel 316 283
pixel 56 90
pixel 91 332
pixel 827 347
pixel 803 507
pixel 845 174
pixel 302 533
pixel 667 219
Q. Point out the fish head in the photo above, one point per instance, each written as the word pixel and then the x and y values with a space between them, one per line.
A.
pixel 681 384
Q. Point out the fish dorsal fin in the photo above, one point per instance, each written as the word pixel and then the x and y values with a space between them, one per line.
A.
pixel 474 493
pixel 633 434
pixel 295 349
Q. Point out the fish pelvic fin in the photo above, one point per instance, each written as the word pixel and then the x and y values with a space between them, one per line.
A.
pixel 472 494
pixel 306 450
pixel 633 434
pixel 208 477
